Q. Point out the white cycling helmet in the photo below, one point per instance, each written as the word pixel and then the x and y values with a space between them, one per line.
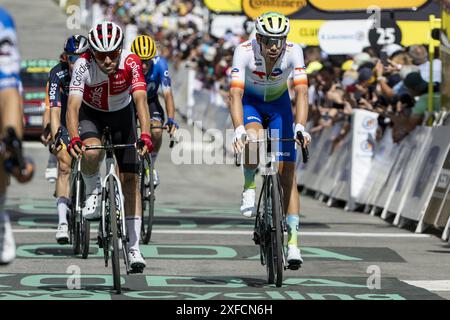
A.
pixel 105 37
pixel 272 24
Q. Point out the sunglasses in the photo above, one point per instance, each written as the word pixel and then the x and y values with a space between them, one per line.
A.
pixel 72 58
pixel 113 55
pixel 269 42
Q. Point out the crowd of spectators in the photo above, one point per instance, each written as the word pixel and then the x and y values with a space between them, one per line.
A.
pixel 392 81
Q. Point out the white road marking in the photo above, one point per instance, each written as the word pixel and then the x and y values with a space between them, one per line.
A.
pixel 33 145
pixel 238 232
pixel 430 285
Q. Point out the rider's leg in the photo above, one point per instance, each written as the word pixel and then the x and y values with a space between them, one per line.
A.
pixel 62 185
pixel 90 166
pixel 156 139
pixel 133 209
pixel 10 116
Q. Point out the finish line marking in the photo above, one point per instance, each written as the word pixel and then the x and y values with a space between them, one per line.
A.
pixel 236 232
pixel 430 285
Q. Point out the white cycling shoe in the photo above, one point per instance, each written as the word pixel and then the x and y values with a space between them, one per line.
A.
pixel 62 233
pixel 155 178
pixel 7 244
pixel 294 257
pixel 51 174
pixel 137 262
pixel 248 208
pixel 91 209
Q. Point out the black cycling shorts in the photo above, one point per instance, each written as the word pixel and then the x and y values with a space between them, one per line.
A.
pixel 156 110
pixel 122 124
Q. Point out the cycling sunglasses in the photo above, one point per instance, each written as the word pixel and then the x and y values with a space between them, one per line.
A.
pixel 269 41
pixel 113 55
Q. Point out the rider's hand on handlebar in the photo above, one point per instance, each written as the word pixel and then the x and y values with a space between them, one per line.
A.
pixel 23 175
pixel 76 147
pixel 144 144
pixel 172 126
pixel 306 135
pixel 46 135
pixel 239 138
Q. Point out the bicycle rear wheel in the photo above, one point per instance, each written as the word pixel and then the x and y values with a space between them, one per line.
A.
pixel 266 232
pixel 277 229
pixel 147 200
pixel 114 234
pixel 85 238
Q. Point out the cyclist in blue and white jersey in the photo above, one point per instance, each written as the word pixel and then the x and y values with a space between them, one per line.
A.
pixel 260 99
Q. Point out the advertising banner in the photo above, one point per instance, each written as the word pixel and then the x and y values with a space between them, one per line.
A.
pixel 364 126
pixel 426 174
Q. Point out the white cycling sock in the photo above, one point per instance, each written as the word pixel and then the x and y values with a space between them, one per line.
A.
pixel 62 203
pixel 134 232
pixel 92 183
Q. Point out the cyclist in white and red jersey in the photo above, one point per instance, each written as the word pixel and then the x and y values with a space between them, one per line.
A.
pixel 107 84
pixel 260 99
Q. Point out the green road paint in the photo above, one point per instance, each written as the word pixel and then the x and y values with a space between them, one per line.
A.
pixel 53 295
pixel 37 208
pixel 167 210
pixel 48 280
pixel 232 224
pixel 190 252
pixel 316 253
pixel 4 276
pixel 194 282
pixel 56 251
pixel 320 283
pixel 39 222
pixel 182 224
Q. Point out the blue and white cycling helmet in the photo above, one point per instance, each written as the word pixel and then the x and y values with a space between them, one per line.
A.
pixel 76 45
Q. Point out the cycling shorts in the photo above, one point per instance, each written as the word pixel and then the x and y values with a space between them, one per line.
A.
pixel 278 118
pixel 122 124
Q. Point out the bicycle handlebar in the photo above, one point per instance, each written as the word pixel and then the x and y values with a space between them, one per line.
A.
pixel 305 151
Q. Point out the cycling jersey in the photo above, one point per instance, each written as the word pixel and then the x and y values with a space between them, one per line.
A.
pixel 266 97
pixel 58 88
pixel 104 92
pixel 9 54
pixel 158 74
pixel 249 71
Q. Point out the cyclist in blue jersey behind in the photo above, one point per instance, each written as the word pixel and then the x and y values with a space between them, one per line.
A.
pixel 11 128
pixel 156 74
pixel 260 99
pixel 58 92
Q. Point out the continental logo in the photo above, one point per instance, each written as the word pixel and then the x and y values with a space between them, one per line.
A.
pixel 254 8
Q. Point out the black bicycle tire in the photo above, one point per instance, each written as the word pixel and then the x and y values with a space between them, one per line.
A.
pixel 75 227
pixel 270 267
pixel 115 238
pixel 85 238
pixel 277 233
pixel 151 206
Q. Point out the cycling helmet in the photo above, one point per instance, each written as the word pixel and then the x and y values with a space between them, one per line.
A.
pixel 144 47
pixel 105 37
pixel 76 44
pixel 272 24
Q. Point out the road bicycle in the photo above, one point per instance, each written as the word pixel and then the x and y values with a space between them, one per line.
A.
pixel 147 188
pixel 270 223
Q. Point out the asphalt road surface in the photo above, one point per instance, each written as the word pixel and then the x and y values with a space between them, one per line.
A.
pixel 201 247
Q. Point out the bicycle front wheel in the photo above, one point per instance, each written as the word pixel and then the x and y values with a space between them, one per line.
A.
pixel 147 200
pixel 114 234
pixel 277 229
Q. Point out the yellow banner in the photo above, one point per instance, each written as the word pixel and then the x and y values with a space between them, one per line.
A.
pixel 349 5
pixel 224 6
pixel 306 32
pixel 254 8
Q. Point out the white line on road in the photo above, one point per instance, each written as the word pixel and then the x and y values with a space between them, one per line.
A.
pixel 33 145
pixel 237 232
pixel 430 285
